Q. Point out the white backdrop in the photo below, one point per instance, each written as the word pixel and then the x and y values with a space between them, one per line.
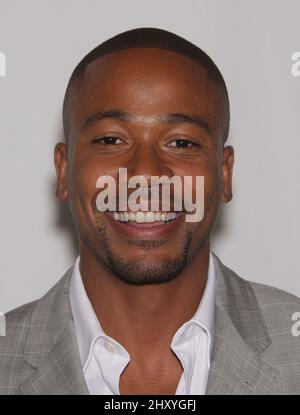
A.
pixel 252 43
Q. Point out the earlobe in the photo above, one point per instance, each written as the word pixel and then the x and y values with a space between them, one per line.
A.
pixel 61 162
pixel 227 168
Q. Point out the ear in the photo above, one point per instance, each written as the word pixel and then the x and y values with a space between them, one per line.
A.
pixel 61 162
pixel 227 167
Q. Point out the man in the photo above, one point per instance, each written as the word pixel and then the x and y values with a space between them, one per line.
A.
pixel 148 308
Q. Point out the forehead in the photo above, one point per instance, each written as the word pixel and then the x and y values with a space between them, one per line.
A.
pixel 146 82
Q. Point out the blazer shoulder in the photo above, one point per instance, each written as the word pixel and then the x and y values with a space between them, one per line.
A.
pixel 266 295
pixel 26 327
pixel 267 316
pixel 18 320
pixel 12 368
pixel 269 296
pixel 277 306
pixel 281 312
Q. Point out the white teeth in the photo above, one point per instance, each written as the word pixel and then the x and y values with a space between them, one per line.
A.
pixel 163 217
pixel 144 217
pixel 131 216
pixel 157 216
pixel 149 217
pixel 140 217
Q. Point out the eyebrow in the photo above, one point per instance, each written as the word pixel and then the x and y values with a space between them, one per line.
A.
pixel 170 118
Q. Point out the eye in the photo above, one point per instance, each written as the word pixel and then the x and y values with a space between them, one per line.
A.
pixel 181 143
pixel 108 140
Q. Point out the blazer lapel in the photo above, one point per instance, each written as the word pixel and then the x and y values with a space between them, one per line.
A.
pixel 51 347
pixel 235 367
pixel 240 337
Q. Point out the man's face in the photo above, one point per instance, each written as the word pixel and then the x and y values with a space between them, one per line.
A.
pixel 147 83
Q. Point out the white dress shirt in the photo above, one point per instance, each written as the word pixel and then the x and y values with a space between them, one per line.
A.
pixel 104 359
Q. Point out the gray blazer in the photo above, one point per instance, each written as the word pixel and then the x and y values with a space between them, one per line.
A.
pixel 254 349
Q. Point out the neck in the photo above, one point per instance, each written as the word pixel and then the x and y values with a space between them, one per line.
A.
pixel 141 316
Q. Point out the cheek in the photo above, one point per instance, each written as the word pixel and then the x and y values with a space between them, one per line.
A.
pixel 211 195
pixel 211 175
pixel 211 185
pixel 84 176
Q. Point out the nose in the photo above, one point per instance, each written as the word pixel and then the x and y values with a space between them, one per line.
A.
pixel 147 161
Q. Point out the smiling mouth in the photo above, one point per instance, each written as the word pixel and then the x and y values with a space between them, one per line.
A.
pixel 143 217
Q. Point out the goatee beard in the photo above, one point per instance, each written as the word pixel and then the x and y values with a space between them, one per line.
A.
pixel 148 271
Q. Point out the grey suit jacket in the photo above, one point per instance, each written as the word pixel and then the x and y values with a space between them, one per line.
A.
pixel 254 349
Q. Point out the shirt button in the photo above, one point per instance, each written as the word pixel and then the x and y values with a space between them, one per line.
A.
pixel 109 346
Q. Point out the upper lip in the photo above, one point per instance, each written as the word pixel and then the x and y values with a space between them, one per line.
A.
pixel 111 212
pixel 143 211
pixel 143 216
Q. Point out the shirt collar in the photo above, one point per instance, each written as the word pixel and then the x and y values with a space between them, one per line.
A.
pixel 204 316
pixel 88 328
pixel 87 325
pixel 205 311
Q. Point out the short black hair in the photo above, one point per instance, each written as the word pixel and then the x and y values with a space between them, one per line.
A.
pixel 153 38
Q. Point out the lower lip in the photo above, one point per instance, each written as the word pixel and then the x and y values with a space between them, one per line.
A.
pixel 152 230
